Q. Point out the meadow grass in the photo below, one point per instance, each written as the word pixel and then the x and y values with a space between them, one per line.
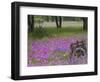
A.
pixel 49 32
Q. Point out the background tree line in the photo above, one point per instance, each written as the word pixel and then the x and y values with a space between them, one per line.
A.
pixel 57 19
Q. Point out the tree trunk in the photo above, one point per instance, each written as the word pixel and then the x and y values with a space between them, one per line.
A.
pixel 58 20
pixel 85 23
pixel 30 23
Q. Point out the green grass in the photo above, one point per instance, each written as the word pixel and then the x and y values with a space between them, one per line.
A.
pixel 40 33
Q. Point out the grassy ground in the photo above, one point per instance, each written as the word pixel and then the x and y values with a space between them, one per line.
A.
pixel 40 33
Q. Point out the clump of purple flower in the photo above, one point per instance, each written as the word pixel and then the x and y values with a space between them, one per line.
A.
pixel 54 51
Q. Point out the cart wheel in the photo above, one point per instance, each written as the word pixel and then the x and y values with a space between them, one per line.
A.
pixel 79 52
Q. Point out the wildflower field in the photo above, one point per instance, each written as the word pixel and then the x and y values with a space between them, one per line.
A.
pixel 54 48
